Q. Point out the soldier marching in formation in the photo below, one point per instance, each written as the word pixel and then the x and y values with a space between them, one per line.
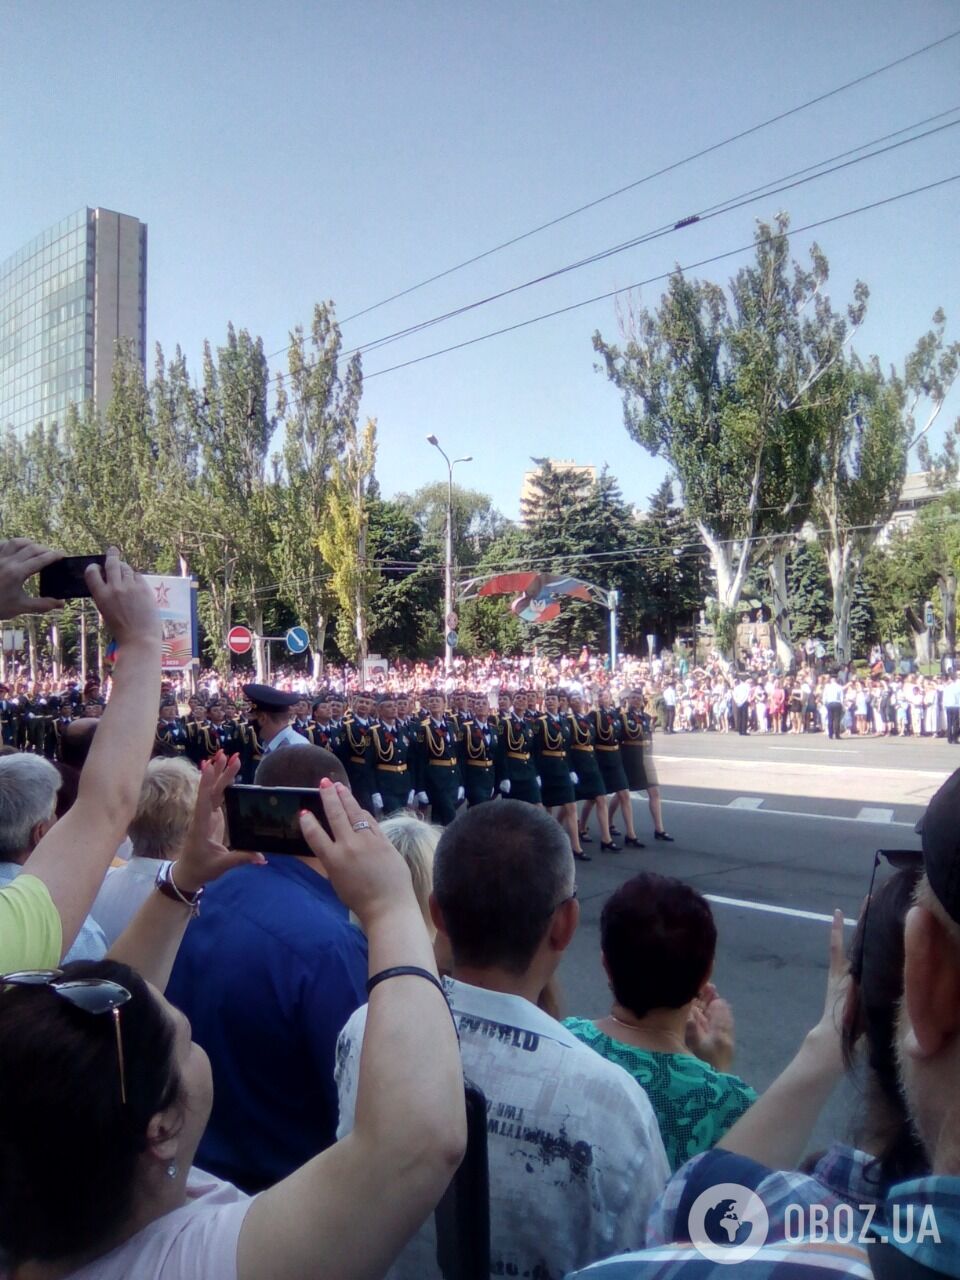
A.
pixel 404 752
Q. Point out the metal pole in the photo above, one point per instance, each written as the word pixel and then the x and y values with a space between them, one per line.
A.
pixel 448 574
pixel 614 601
pixel 448 585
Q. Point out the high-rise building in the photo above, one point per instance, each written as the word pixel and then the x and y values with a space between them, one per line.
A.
pixel 65 300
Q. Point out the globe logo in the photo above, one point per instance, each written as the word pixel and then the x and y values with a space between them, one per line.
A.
pixel 728 1223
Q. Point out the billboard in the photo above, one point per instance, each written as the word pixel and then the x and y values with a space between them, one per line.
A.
pixel 177 602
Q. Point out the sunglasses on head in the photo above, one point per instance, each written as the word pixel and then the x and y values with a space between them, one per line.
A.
pixel 92 995
pixel 899 860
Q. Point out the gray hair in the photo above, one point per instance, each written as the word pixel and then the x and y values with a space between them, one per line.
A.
pixel 28 795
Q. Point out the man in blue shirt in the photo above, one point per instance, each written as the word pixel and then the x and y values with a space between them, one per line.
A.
pixel 916 1232
pixel 268 974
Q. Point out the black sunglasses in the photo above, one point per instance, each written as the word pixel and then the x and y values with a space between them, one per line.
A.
pixel 899 860
pixel 92 995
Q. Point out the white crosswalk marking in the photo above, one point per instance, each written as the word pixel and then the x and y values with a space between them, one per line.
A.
pixel 748 802
pixel 875 815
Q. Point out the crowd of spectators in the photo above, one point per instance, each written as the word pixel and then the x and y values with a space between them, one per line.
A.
pixel 347 1061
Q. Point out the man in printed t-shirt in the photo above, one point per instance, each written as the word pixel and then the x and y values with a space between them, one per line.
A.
pixel 575 1154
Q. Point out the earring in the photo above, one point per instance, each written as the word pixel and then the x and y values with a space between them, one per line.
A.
pixel 172 1169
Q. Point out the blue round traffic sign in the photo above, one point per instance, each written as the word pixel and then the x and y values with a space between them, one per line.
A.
pixel 297 639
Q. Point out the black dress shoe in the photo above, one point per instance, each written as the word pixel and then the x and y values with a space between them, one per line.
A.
pixel 615 831
pixel 610 846
pixel 662 835
pixel 585 839
pixel 583 857
pixel 633 842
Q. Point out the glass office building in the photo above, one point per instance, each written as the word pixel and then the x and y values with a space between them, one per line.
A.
pixel 65 300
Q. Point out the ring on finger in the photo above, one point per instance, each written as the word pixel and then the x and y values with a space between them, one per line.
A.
pixel 362 825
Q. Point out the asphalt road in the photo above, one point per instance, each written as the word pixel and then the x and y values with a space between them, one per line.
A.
pixel 777 831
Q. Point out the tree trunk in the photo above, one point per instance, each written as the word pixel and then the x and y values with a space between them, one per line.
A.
pixel 321 639
pixel 56 649
pixel 948 601
pixel 780 622
pixel 730 565
pixel 83 644
pixel 259 646
pixel 32 654
pixel 844 567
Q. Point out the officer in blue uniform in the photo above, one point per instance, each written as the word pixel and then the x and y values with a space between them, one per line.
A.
pixel 273 712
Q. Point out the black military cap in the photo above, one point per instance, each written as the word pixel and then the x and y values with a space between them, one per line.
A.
pixel 941 845
pixel 269 699
pixel 164 702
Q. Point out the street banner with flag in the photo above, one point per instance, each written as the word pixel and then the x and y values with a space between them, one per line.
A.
pixel 177 602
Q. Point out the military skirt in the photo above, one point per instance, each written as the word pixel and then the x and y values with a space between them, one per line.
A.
pixel 590 784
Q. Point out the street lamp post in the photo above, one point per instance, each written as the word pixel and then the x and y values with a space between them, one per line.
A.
pixel 448 579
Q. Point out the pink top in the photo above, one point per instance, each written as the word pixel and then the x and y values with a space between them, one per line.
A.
pixel 198 1239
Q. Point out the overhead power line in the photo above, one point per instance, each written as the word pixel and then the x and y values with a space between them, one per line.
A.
pixel 649 177
pixel 659 173
pixel 665 275
pixel 726 206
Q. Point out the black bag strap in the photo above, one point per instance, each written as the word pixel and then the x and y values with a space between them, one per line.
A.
pixel 462 1217
pixel 887 1262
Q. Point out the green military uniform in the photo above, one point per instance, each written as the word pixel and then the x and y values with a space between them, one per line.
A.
pixel 356 753
pixel 517 764
pixel 251 751
pixel 583 759
pixel 172 734
pixel 551 745
pixel 439 769
pixel 633 735
pixel 608 730
pixel 480 754
pixel 394 764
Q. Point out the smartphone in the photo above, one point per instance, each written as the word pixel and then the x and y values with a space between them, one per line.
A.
pixel 267 819
pixel 64 580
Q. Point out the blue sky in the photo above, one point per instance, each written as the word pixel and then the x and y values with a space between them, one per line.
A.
pixel 294 152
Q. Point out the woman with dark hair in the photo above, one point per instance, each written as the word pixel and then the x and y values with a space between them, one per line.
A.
pixel 862 1004
pixel 106 1099
pixel 667 1026
pixel 883 1129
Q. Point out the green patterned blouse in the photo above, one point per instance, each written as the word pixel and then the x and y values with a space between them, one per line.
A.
pixel 695 1104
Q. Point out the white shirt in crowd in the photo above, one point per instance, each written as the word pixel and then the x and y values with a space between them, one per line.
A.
pixel 832 692
pixel 575 1155
pixel 198 1239
pixel 287 737
pixel 741 692
pixel 123 893
pixel 670 696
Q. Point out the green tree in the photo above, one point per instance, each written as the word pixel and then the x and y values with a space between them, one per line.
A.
pixel 109 469
pixel 486 624
pixel 31 491
pixel 723 390
pixel 672 568
pixel 318 407
pixel 344 539
pixel 879 419
pixel 232 535
pixel 924 560
pixel 173 498
pixel 408 600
